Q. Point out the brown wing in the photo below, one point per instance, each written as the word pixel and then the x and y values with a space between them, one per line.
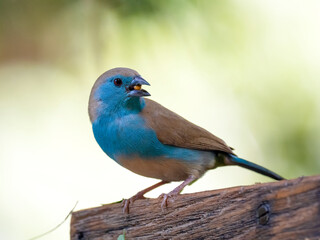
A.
pixel 172 129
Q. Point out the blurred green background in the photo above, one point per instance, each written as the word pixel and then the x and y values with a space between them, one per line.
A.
pixel 248 71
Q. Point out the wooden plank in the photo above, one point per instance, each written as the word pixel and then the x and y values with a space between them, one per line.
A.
pixel 278 210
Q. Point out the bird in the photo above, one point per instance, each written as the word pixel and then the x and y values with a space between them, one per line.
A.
pixel 151 140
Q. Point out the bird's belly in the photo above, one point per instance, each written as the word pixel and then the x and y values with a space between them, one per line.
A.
pixel 164 169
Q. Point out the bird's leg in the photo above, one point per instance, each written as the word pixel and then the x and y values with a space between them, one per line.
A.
pixel 140 195
pixel 176 191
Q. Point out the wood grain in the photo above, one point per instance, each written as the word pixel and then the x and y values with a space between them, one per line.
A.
pixel 288 210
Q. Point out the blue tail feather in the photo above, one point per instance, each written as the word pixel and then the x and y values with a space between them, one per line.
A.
pixel 254 167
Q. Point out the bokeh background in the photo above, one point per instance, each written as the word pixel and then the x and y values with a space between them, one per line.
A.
pixel 247 70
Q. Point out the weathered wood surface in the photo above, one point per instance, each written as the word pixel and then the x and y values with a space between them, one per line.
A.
pixel 287 209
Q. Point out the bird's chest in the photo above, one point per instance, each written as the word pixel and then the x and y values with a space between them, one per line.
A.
pixel 125 135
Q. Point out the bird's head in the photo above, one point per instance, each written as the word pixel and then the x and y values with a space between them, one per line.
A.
pixel 114 88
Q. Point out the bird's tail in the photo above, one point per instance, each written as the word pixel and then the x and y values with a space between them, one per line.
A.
pixel 234 160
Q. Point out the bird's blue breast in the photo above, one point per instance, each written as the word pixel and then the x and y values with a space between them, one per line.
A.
pixel 125 135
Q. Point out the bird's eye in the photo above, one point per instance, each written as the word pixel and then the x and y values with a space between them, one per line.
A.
pixel 117 82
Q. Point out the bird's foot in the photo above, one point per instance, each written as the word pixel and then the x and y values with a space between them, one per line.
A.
pixel 165 197
pixel 139 195
pixel 127 202
pixel 175 191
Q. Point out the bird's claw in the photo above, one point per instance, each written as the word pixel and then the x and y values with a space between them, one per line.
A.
pixel 165 197
pixel 125 205
pixel 127 202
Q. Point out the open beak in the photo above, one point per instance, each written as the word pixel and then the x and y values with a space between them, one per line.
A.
pixel 135 90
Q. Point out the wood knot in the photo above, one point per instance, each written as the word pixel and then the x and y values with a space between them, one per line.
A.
pixel 263 213
pixel 80 236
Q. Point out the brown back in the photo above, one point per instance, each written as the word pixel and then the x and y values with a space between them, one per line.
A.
pixel 172 129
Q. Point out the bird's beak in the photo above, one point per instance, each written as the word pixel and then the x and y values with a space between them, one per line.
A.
pixel 135 90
